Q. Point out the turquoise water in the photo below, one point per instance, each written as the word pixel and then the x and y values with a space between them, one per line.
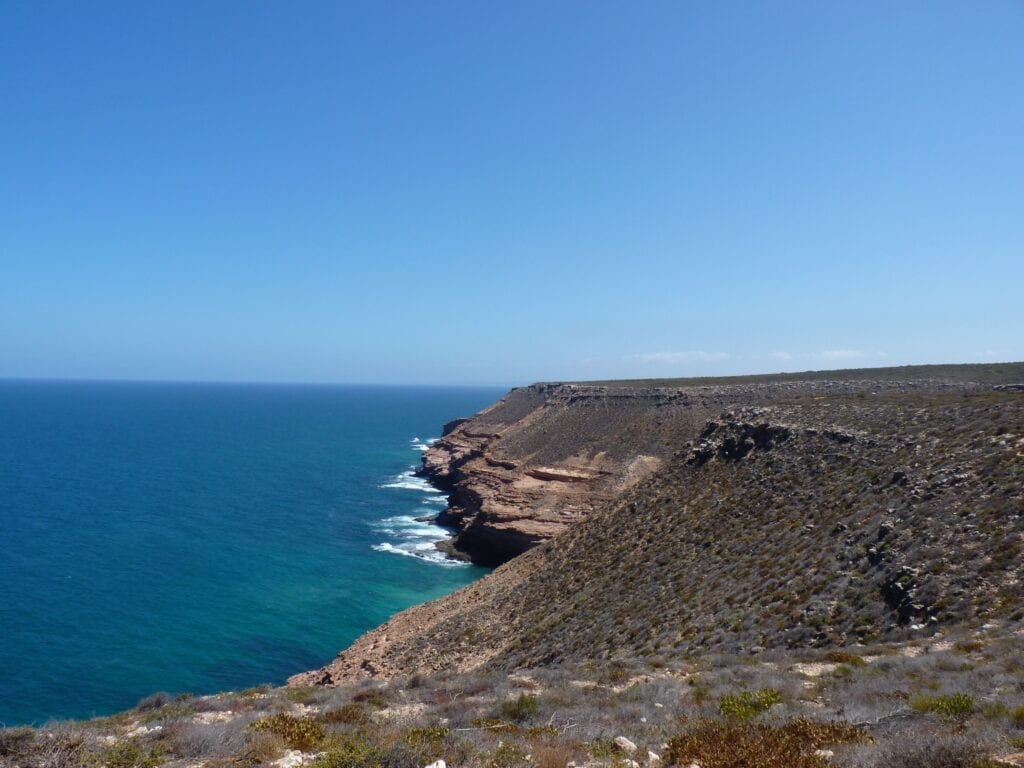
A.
pixel 200 537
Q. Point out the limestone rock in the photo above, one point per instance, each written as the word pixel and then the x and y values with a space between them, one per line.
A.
pixel 625 744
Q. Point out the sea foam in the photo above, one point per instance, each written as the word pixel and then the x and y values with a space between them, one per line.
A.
pixel 408 481
pixel 410 535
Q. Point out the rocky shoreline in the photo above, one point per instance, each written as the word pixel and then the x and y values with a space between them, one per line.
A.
pixel 858 467
pixel 545 456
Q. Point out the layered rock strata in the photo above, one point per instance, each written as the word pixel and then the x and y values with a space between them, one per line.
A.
pixel 730 517
pixel 545 456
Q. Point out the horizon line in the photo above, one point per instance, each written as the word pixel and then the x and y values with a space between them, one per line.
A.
pixel 300 383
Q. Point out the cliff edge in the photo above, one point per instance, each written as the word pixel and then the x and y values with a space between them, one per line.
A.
pixel 737 517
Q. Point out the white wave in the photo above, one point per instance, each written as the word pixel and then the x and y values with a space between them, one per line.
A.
pixel 439 499
pixel 409 482
pixel 413 537
pixel 408 526
pixel 422 445
pixel 431 554
pixel 407 519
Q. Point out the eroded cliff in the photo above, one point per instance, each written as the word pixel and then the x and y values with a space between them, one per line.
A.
pixel 789 514
pixel 546 456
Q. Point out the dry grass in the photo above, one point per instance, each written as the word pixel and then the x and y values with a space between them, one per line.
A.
pixel 713 744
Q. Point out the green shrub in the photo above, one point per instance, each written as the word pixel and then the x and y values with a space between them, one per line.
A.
pixel 603 749
pixel 428 741
pixel 953 706
pixel 748 704
pixel 520 709
pixel 1018 717
pixel 128 754
pixel 300 695
pixel 300 733
pixel 998 709
pixel 347 751
pixel 508 755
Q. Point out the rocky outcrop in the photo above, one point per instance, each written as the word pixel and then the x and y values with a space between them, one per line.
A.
pixel 520 472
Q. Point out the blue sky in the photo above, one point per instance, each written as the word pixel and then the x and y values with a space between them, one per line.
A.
pixel 505 192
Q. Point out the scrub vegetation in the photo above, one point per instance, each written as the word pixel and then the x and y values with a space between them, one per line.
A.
pixel 950 701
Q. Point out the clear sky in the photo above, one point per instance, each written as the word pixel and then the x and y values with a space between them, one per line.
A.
pixel 500 192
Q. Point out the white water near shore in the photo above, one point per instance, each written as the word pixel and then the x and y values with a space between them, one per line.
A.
pixel 410 535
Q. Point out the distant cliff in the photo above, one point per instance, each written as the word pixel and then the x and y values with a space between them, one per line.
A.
pixel 734 517
pixel 547 455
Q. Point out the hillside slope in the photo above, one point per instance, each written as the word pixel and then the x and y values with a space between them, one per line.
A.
pixel 545 456
pixel 823 516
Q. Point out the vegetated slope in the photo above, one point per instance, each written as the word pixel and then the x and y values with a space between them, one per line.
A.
pixel 824 520
pixel 950 702
pixel 545 456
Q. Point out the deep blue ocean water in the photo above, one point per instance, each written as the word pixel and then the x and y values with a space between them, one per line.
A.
pixel 204 537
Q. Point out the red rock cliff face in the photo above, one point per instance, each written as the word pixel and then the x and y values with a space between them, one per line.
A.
pixel 647 473
pixel 545 456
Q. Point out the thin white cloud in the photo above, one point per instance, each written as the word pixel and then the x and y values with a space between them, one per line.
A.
pixel 669 358
pixel 827 355
pixel 843 354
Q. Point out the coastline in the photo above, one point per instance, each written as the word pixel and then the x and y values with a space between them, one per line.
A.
pixel 264 501
pixel 529 468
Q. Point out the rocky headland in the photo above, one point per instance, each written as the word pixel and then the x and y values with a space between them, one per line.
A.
pixel 803 571
pixel 640 518
pixel 545 456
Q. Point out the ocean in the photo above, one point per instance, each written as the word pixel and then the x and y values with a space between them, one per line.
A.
pixel 206 537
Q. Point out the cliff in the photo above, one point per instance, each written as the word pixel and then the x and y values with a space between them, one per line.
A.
pixel 824 573
pixel 546 456
pixel 735 517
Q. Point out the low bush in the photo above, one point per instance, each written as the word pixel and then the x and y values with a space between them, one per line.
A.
pixel 603 749
pixel 153 701
pixel 15 741
pixel 348 751
pixel 520 709
pixel 264 747
pixel 352 713
pixel 845 657
pixel 731 744
pixel 748 704
pixel 373 698
pixel 128 754
pixel 1018 717
pixel 930 751
pixel 552 755
pixel 298 732
pixel 954 706
pixel 301 694
pixel 508 755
